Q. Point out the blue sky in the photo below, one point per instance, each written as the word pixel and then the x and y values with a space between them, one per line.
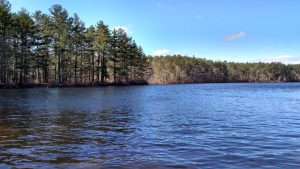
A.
pixel 232 30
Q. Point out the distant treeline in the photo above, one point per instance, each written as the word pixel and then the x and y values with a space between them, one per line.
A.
pixel 57 49
pixel 182 69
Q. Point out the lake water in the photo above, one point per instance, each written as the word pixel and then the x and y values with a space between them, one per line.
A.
pixel 155 126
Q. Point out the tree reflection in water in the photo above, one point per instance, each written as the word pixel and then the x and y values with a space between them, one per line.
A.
pixel 66 136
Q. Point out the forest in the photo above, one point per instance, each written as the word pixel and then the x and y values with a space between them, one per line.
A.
pixel 57 49
pixel 183 69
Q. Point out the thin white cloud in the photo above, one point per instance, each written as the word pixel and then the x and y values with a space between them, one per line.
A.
pixel 161 52
pixel 234 36
pixel 163 5
pixel 199 16
pixel 286 59
pixel 159 5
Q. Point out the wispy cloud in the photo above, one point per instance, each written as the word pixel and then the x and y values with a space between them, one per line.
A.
pixel 286 59
pixel 198 16
pixel 160 5
pixel 161 52
pixel 234 36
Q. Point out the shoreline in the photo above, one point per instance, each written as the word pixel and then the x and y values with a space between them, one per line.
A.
pixel 119 84
pixel 13 86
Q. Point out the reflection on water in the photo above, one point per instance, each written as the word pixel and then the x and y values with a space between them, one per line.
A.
pixel 63 137
pixel 162 126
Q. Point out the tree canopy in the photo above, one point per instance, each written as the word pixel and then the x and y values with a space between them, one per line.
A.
pixel 183 69
pixel 57 49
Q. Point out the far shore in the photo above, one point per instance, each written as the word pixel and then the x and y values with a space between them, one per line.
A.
pixel 11 86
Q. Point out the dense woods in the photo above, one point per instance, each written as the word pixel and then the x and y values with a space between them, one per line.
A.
pixel 182 69
pixel 57 49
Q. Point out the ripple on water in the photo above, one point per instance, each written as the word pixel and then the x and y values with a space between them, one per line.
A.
pixel 156 126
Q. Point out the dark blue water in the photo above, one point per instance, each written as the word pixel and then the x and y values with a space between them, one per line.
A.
pixel 156 126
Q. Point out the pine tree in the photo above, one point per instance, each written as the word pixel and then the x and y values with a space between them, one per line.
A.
pixel 124 43
pixel 59 23
pixel 78 42
pixel 5 23
pixel 25 28
pixel 101 46
pixel 89 37
pixel 142 65
pixel 42 41
pixel 114 56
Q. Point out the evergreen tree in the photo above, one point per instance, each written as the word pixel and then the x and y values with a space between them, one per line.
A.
pixel 59 24
pixel 101 46
pixel 122 56
pixel 25 31
pixel 77 37
pixel 5 24
pixel 42 41
pixel 115 56
pixel 90 52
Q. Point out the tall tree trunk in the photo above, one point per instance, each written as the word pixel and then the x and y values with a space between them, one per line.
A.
pixel 98 68
pixel 56 64
pixel 93 69
pixel 75 67
pixel 59 68
pixel 81 68
pixel 114 70
pixel 103 67
pixel 4 58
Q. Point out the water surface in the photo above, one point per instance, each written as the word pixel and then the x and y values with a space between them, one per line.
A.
pixel 156 126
